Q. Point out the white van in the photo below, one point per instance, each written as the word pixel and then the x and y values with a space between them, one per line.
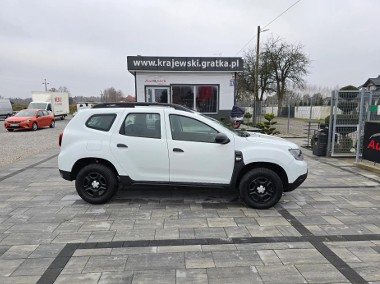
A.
pixel 5 108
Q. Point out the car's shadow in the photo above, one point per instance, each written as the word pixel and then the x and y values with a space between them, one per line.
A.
pixel 162 198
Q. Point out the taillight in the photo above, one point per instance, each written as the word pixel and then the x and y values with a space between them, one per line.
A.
pixel 60 138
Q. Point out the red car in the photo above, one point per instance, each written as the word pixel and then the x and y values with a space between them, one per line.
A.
pixel 30 119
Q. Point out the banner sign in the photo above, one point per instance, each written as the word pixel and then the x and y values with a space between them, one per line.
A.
pixel 371 142
pixel 149 63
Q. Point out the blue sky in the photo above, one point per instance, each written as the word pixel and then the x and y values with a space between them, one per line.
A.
pixel 83 44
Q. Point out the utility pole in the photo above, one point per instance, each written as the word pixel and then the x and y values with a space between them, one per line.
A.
pixel 44 83
pixel 256 84
pixel 257 64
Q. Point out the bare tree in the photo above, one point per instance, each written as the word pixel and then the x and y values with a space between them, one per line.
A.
pixel 289 65
pixel 246 80
pixel 111 95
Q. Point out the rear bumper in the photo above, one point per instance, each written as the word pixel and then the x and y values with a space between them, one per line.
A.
pixel 296 183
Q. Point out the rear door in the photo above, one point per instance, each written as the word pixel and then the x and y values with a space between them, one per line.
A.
pixel 140 145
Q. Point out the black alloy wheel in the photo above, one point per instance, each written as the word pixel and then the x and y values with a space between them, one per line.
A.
pixel 261 188
pixel 96 183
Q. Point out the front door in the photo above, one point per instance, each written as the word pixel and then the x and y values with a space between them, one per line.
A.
pixel 157 94
pixel 194 155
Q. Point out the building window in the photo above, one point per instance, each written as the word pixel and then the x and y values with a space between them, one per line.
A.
pixel 206 98
pixel 202 98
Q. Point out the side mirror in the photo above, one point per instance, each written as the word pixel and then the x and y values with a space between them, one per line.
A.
pixel 221 138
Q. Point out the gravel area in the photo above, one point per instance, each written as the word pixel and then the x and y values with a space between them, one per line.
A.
pixel 21 144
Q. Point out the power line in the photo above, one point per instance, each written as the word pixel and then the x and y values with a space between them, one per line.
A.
pixel 252 38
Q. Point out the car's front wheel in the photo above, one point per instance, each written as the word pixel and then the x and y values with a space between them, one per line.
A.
pixel 34 126
pixel 96 183
pixel 261 188
pixel 52 124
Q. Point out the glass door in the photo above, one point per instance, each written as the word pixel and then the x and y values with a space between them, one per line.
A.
pixel 157 94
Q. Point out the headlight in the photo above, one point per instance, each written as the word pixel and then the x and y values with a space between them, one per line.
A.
pixel 297 154
pixel 26 120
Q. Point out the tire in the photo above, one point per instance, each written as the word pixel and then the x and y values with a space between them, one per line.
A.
pixel 34 126
pixel 261 188
pixel 10 130
pixel 96 183
pixel 52 124
pixel 62 117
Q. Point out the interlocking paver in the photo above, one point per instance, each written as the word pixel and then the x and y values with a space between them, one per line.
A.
pixel 40 224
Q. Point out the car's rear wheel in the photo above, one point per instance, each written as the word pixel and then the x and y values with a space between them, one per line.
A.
pixel 96 183
pixel 52 124
pixel 34 126
pixel 261 188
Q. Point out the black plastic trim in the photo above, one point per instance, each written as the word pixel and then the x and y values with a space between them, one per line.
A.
pixel 296 183
pixel 65 175
pixel 127 181
pixel 239 165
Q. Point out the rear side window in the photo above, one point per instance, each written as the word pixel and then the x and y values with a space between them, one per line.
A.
pixel 102 122
pixel 146 125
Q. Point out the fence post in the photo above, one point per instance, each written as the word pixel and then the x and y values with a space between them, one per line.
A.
pixel 288 117
pixel 359 129
pixel 332 103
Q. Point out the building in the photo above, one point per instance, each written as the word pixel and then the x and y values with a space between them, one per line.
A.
pixel 372 84
pixel 205 84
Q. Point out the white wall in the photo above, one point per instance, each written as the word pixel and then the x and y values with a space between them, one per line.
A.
pixel 223 79
pixel 318 112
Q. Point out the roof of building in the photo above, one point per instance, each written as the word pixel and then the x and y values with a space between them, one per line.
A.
pixel 374 81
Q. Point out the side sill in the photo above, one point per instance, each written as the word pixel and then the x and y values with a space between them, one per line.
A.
pixel 127 181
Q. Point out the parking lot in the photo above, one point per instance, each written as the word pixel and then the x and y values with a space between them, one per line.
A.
pixel 25 143
pixel 326 231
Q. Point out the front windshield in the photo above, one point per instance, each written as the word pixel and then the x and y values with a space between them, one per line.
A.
pixel 37 105
pixel 26 112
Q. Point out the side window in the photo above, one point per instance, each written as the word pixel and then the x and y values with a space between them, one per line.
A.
pixel 142 125
pixel 101 122
pixel 189 129
pixel 44 113
pixel 39 113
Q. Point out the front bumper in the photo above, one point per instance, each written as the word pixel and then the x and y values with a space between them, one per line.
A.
pixel 65 175
pixel 296 183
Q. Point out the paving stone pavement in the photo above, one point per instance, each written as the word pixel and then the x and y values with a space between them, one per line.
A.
pixel 326 231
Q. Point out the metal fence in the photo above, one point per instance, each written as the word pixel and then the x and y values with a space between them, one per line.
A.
pixel 343 120
pixel 349 112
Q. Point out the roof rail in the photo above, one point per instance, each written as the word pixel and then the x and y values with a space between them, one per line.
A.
pixel 135 104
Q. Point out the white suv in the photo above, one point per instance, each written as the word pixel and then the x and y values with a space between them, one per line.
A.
pixel 169 145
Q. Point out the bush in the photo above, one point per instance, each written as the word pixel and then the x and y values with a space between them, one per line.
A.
pixel 267 126
pixel 247 115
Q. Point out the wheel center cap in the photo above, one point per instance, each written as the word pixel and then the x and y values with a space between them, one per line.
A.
pixel 95 184
pixel 260 189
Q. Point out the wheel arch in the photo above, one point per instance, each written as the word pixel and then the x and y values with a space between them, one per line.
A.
pixel 86 161
pixel 274 167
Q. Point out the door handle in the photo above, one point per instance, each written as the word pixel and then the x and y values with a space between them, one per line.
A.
pixel 121 146
pixel 177 150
